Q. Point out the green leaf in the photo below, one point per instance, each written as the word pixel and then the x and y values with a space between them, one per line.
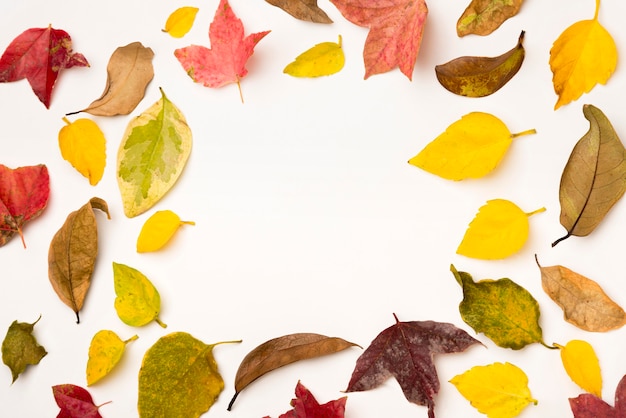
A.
pixel 20 348
pixel 501 309
pixel 152 156
pixel 138 302
pixel 179 377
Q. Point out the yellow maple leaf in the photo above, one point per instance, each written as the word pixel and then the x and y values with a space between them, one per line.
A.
pixel 582 366
pixel 82 143
pixel 583 55
pixel 497 390
pixel 180 21
pixel 325 58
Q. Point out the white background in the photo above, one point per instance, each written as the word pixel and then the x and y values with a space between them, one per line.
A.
pixel 308 217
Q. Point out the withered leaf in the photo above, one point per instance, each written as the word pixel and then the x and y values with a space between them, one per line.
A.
pixel 485 16
pixel 481 76
pixel 281 351
pixel 584 302
pixel 72 254
pixel 20 348
pixel 306 10
pixel 594 178
pixel 128 74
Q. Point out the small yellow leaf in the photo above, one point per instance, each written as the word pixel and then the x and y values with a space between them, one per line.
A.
pixel 500 229
pixel 499 390
pixel 105 351
pixel 583 55
pixel 469 148
pixel 158 230
pixel 180 21
pixel 137 301
pixel 582 366
pixel 323 59
pixel 82 143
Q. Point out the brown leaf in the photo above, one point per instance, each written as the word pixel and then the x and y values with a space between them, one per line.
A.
pixel 594 178
pixel 128 74
pixel 484 16
pixel 72 254
pixel 281 351
pixel 306 10
pixel 583 301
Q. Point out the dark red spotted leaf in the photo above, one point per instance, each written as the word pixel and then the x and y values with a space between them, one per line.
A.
pixel 587 405
pixel 75 402
pixel 306 406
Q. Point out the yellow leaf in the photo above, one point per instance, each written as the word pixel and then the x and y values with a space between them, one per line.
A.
pixel 582 56
pixel 582 366
pixel 180 21
pixel 158 230
pixel 323 59
pixel 82 143
pixel 105 351
pixel 469 148
pixel 499 390
pixel 500 229
pixel 137 301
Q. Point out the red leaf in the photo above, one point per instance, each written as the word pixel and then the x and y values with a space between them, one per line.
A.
pixel 225 61
pixel 306 406
pixel 38 54
pixel 75 402
pixel 396 29
pixel 405 351
pixel 24 193
pixel 587 405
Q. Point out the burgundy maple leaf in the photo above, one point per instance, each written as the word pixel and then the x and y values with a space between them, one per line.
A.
pixel 75 402
pixel 587 405
pixel 306 406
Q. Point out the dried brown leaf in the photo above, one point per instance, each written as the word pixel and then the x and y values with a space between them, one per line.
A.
pixel 485 16
pixel 306 10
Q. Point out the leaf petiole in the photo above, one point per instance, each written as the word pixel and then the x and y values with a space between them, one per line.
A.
pixel 526 132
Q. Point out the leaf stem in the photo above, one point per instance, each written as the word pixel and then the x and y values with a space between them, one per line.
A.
pixel 133 338
pixel 542 209
pixel 561 239
pixel 158 321
pixel 240 92
pixel 595 16
pixel 526 132
pixel 232 401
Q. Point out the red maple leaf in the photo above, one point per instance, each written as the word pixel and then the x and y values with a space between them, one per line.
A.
pixel 24 194
pixel 587 405
pixel 38 54
pixel 306 406
pixel 405 351
pixel 396 29
pixel 225 61
pixel 75 402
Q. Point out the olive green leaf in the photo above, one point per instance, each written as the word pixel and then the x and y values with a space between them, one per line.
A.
pixel 20 348
pixel 138 302
pixel 152 155
pixel 482 17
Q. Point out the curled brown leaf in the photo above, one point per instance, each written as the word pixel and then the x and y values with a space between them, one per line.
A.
pixel 482 17
pixel 306 10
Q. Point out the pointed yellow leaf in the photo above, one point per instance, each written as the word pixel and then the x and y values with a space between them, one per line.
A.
pixel 180 21
pixel 583 55
pixel 323 59
pixel 105 351
pixel 582 366
pixel 82 143
pixel 158 230
pixel 469 148
pixel 500 229
pixel 499 390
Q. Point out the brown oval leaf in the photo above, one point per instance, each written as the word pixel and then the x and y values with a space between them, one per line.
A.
pixel 583 301
pixel 281 351
pixel 72 254
pixel 306 10
pixel 481 76
pixel 484 16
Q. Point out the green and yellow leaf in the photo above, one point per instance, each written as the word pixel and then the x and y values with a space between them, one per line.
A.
pixel 137 301
pixel 105 352
pixel 323 59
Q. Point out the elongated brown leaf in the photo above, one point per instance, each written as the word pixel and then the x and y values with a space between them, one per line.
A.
pixel 481 76
pixel 128 74
pixel 281 351
pixel 72 254
pixel 583 301
pixel 484 16
pixel 594 178
pixel 306 10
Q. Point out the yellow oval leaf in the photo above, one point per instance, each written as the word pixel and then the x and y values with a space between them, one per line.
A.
pixel 180 21
pixel 137 301
pixel 500 229
pixel 323 59
pixel 158 230
pixel 582 366
pixel 105 351
pixel 83 145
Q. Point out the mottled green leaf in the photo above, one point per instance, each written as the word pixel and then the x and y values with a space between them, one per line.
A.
pixel 20 348
pixel 152 156
pixel 138 302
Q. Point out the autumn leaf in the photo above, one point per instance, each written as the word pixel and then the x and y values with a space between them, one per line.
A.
pixel 38 55
pixel 225 62
pixel 496 390
pixel 396 30
pixel 499 230
pixel 323 59
pixel 24 193
pixel 180 21
pixel 582 365
pixel 588 405
pixel 158 229
pixel 481 76
pixel 152 156
pixel 83 145
pixel 482 17
pixel 405 351
pixel 20 348
pixel 306 406
pixel 128 74
pixel 179 377
pixel 594 178
pixel 281 351
pixel 471 147
pixel 72 254
pixel 105 352
pixel 75 402
pixel 583 301
pixel 583 55
pixel 501 309
pixel 306 10
pixel 137 301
